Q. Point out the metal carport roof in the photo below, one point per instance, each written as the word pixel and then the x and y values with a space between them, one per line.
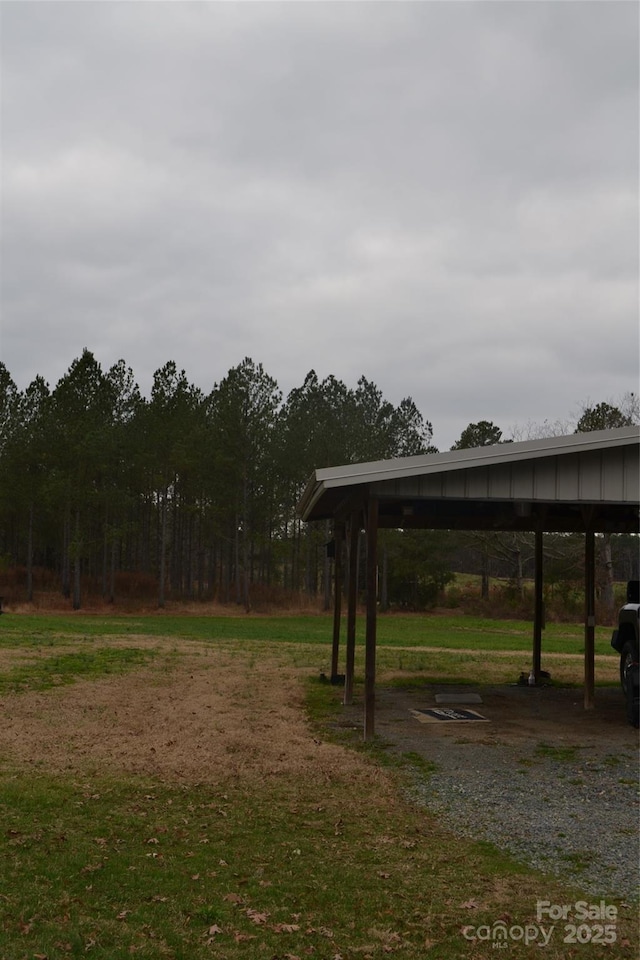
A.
pixel 510 485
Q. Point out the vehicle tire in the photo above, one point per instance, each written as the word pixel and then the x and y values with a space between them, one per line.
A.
pixel 629 679
pixel 628 657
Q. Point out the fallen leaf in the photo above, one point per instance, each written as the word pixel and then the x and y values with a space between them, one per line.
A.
pixel 233 898
pixel 285 927
pixel 257 917
pixel 212 931
pixel 469 905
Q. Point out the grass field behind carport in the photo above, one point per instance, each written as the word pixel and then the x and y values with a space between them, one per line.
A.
pixel 167 795
pixel 453 632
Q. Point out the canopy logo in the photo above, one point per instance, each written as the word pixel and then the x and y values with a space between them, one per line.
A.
pixel 601 927
pixel 499 933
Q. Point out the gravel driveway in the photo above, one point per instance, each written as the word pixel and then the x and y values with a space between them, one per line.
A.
pixel 555 785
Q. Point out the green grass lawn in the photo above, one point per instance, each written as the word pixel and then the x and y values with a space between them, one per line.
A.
pixel 407 630
pixel 409 646
pixel 128 867
pixel 113 866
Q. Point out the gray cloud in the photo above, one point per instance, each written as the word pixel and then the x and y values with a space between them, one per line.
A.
pixel 442 196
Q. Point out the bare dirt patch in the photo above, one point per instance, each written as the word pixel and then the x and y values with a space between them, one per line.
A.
pixel 203 716
pixel 517 715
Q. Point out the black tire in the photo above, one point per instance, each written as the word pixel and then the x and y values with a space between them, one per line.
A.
pixel 629 680
pixel 628 657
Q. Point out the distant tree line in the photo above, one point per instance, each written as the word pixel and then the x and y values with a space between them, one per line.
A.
pixel 195 490
pixel 195 493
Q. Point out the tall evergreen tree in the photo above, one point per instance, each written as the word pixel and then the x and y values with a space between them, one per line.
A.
pixel 81 404
pixel 482 434
pixel 171 458
pixel 245 405
pixel 32 461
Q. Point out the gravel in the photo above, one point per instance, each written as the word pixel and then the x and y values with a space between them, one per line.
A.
pixel 570 816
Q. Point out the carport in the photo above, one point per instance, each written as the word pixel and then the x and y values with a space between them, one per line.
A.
pixel 583 483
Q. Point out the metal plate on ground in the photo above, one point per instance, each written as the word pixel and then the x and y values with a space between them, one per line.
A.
pixel 447 714
pixel 458 698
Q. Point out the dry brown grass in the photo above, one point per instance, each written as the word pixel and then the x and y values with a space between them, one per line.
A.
pixel 192 717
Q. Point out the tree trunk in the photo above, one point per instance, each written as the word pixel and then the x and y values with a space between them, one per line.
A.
pixel 163 548
pixel 518 569
pixel 327 569
pixel 238 572
pixel 30 555
pixel 105 555
pixel 66 560
pixel 384 585
pixel 245 545
pixel 76 563
pixel 485 574
pixel 112 572
pixel 608 598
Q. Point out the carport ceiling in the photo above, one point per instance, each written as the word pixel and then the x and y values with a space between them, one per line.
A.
pixel 586 481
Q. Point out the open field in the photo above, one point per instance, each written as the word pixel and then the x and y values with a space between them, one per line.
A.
pixel 452 632
pixel 170 787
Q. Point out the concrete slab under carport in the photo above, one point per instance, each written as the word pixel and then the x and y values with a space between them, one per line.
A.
pixel 517 715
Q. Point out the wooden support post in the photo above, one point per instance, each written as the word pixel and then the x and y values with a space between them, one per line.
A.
pixel 352 599
pixel 372 602
pixel 538 615
pixel 589 619
pixel 337 598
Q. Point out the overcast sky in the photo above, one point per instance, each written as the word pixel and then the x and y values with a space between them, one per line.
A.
pixel 440 196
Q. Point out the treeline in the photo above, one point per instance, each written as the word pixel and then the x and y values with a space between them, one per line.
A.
pixel 195 490
pixel 189 495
